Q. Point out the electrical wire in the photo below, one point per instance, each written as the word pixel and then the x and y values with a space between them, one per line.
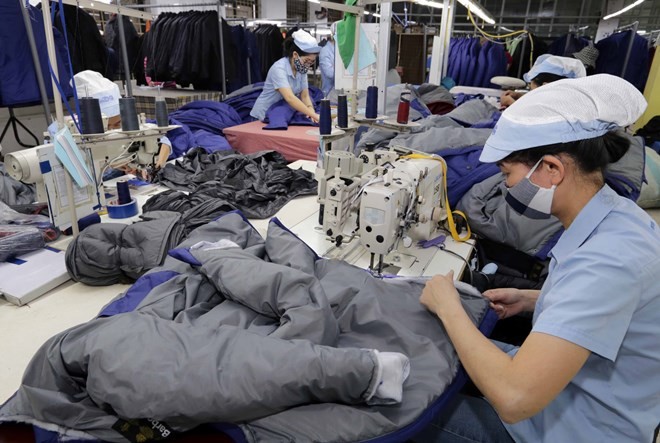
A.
pixel 511 34
pixel 450 214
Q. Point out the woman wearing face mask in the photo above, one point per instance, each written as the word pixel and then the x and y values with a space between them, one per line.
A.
pixel 588 371
pixel 287 78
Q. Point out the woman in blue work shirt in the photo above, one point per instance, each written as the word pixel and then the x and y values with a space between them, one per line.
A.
pixel 287 78
pixel 589 370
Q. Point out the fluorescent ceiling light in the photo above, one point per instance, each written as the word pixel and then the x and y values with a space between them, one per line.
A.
pixel 476 10
pixel 430 3
pixel 642 32
pixel 626 9
pixel 314 1
pixel 506 29
pixel 375 14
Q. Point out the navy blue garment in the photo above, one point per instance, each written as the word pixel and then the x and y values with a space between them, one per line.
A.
pixel 184 139
pixel 255 58
pixel 482 62
pixel 242 101
pixel 280 115
pixel 18 82
pixel 473 67
pixel 495 64
pixel 201 124
pixel 613 53
pixel 464 170
pixel 560 48
pixel 238 39
pixel 208 115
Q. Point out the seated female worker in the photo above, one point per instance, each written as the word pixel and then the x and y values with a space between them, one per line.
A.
pixel 588 371
pixel 547 69
pixel 287 78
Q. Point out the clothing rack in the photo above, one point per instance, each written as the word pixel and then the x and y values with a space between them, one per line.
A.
pixel 218 4
pixel 633 26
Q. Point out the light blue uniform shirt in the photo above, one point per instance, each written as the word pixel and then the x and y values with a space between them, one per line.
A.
pixel 279 75
pixel 603 293
pixel 327 66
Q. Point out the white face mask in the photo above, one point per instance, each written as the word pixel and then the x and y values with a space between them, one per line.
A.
pixel 529 199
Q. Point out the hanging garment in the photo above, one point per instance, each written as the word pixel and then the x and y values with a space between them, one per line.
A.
pixel 269 42
pixel 309 324
pixel 86 45
pixel 472 64
pixel 18 82
pixel 521 60
pixel 566 45
pixel 185 47
pixel 112 40
pixel 612 54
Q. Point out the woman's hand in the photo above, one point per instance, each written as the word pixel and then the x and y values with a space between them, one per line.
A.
pixel 440 295
pixel 315 117
pixel 507 302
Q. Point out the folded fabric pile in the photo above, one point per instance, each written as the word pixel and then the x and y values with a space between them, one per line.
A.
pixel 201 124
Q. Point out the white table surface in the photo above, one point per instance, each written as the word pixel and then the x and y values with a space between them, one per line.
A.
pixel 24 329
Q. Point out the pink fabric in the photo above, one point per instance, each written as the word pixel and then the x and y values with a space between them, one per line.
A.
pixel 294 143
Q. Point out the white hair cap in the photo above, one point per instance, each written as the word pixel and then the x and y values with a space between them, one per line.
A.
pixel 306 42
pixel 97 86
pixel 564 111
pixel 554 64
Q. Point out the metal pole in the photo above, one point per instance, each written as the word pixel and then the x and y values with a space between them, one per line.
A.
pixel 59 112
pixel 552 19
pixel 222 54
pixel 382 65
pixel 37 63
pixel 424 56
pixel 524 42
pixel 124 52
pixel 630 45
pixel 356 62
pixel 450 8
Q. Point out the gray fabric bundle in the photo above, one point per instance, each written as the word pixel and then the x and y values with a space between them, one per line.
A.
pixel 264 335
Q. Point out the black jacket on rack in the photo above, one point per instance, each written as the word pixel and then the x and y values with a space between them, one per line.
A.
pixel 185 47
pixel 269 43
pixel 112 40
pixel 86 44
pixel 522 58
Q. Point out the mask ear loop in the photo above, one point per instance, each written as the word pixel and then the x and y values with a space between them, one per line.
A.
pixel 531 171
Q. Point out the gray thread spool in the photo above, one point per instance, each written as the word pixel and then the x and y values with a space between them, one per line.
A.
pixel 90 116
pixel 128 113
pixel 162 117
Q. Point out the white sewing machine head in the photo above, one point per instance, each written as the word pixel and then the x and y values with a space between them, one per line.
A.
pixel 386 198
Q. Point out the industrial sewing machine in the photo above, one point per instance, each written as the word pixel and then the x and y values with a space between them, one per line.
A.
pixel 127 150
pixel 389 198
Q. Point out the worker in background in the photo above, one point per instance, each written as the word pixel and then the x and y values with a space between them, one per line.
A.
pixel 287 78
pixel 327 63
pixel 547 69
pixel 588 371
pixel 107 92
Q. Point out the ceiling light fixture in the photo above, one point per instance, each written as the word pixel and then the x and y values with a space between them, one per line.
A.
pixel 430 3
pixel 478 11
pixel 626 9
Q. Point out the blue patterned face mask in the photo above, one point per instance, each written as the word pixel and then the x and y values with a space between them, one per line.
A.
pixel 529 199
pixel 300 66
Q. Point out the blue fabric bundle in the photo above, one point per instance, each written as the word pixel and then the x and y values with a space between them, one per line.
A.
pixel 280 115
pixel 201 124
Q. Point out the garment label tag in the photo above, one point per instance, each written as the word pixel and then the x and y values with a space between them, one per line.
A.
pixel 143 430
